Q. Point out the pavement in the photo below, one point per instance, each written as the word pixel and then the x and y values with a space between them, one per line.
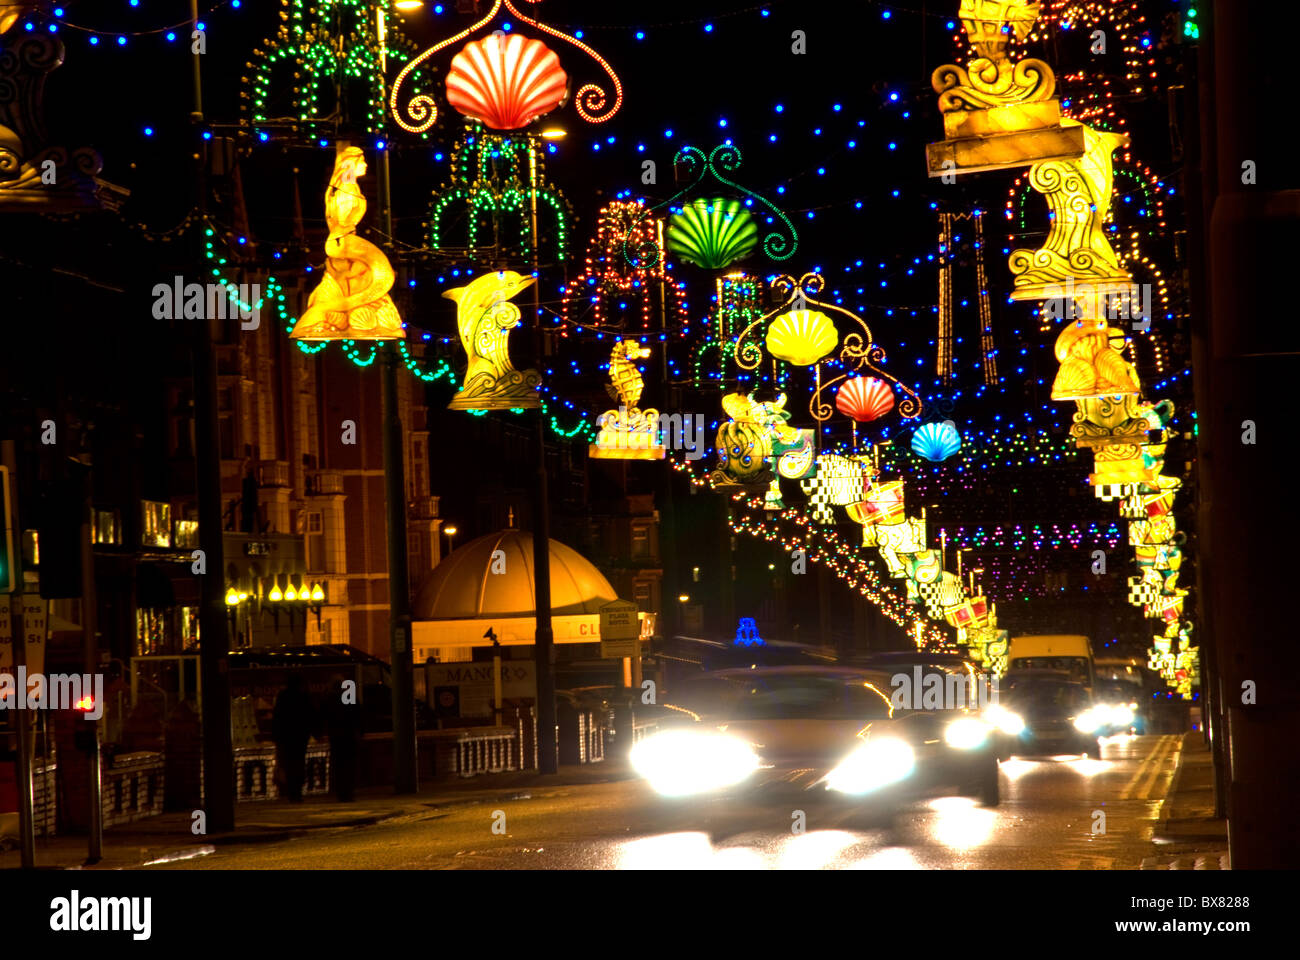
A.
pixel 1187 832
pixel 170 837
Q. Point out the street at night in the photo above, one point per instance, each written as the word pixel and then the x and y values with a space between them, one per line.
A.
pixel 562 436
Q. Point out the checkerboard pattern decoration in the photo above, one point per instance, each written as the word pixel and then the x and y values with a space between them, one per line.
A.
pixel 1115 491
pixel 1142 591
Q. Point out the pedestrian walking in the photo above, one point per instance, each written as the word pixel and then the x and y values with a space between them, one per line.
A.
pixel 291 727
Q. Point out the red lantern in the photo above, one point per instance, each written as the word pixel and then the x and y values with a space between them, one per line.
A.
pixel 506 82
pixel 864 398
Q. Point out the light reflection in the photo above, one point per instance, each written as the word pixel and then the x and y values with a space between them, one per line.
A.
pixel 962 824
pixel 1087 767
pixel 1013 770
pixel 669 851
pixel 891 858
pixel 815 850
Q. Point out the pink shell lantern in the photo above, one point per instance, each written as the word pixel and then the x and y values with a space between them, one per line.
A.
pixel 864 398
pixel 506 82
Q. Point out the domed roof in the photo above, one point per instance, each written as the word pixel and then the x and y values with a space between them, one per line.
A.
pixel 463 585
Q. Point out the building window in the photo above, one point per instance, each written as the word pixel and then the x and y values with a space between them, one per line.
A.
pixel 157 523
pixel 107 529
pixel 640 541
pixel 151 634
pixel 189 629
pixel 314 522
pixel 643 594
pixel 186 534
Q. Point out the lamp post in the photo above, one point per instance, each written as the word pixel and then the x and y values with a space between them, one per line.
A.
pixel 450 533
pixel 544 641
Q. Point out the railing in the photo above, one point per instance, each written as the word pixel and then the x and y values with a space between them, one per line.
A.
pixel 133 787
pixel 255 772
pixel 272 473
pixel 324 483
pixel 475 750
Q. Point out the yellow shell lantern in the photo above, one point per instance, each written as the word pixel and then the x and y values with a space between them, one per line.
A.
pixel 801 337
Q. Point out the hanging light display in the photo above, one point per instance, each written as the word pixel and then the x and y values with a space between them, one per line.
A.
pixel 484 318
pixel 712 233
pixel 351 302
pixel 506 82
pixel 936 441
pixel 864 398
pixel 417 113
pixel 801 337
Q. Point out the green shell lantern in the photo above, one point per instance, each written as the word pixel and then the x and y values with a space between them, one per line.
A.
pixel 712 233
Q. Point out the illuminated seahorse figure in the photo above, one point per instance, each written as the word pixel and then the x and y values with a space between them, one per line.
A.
pixel 484 317
pixel 627 383
pixel 352 301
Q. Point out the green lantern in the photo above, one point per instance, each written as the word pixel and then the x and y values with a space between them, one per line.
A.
pixel 712 233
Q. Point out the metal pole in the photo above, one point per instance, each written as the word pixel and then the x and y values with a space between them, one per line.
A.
pixel 26 736
pixel 544 642
pixel 89 626
pixel 214 641
pixel 405 763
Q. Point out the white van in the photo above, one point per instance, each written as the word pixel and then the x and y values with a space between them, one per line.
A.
pixel 1069 653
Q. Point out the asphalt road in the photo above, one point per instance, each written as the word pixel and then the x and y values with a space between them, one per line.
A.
pixel 1045 821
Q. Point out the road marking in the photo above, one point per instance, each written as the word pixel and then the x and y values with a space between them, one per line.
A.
pixel 1150 767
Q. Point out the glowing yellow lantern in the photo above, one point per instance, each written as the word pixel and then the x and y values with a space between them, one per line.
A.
pixel 801 337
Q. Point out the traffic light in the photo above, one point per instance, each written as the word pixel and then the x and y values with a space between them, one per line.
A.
pixel 7 541
pixel 86 735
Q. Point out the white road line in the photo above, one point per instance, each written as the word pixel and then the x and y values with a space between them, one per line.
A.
pixel 1150 761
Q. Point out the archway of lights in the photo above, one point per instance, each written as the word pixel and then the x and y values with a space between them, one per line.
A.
pixel 1001 114
pixel 629 291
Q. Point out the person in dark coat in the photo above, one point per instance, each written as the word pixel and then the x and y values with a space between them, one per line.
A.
pixel 343 723
pixel 291 727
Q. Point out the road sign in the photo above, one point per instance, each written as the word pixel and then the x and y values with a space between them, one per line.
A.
pixel 34 623
pixel 620 629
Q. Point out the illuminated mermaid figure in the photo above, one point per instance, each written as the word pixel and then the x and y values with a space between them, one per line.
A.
pixel 352 301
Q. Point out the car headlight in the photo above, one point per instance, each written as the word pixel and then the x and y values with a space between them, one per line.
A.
pixel 877 763
pixel 1122 715
pixel 1089 720
pixel 966 733
pixel 1009 723
pixel 678 763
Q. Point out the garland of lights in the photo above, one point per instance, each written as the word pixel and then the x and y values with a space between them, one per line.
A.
pixel 334 44
pixel 607 278
pixel 491 175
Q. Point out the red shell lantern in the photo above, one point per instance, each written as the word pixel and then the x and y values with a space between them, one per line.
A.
pixel 506 82
pixel 864 398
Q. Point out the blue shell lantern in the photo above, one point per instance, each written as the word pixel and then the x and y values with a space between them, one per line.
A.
pixel 936 441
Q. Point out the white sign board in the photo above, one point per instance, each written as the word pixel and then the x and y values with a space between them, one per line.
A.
pixel 34 623
pixel 620 630
pixel 475 683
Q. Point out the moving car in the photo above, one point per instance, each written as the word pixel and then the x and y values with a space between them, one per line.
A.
pixel 1046 714
pixel 1119 703
pixel 824 731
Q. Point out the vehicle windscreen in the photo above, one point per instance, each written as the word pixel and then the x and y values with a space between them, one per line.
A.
pixel 1046 696
pixel 786 698
pixel 1076 667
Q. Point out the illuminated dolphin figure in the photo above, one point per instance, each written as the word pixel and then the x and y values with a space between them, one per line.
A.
pixel 484 318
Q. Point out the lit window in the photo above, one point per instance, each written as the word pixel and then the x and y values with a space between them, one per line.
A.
pixel 186 534
pixel 314 523
pixel 106 529
pixel 157 523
